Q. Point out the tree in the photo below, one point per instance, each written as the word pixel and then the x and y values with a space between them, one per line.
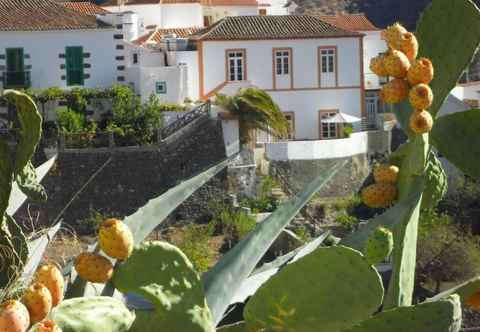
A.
pixel 255 109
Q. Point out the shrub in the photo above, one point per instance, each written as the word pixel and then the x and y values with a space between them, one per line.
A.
pixel 196 245
pixel 347 130
pixel 348 203
pixel 70 122
pixel 234 224
pixel 349 222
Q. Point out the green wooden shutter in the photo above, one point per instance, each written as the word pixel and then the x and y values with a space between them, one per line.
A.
pixel 15 67
pixel 74 65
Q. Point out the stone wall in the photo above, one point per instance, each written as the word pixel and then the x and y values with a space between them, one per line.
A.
pixel 132 176
pixel 347 181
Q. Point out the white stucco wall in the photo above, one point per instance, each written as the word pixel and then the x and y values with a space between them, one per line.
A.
pixel 357 143
pixel 275 7
pixel 150 14
pixel 219 12
pixel 190 59
pixel 44 48
pixel 305 100
pixel 231 136
pixel 182 15
pixel 144 80
pixel 373 45
pixel 259 61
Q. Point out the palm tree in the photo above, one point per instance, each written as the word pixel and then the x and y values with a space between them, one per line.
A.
pixel 255 109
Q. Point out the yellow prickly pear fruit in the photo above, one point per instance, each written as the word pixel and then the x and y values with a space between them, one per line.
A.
pixel 396 64
pixel 93 267
pixel 421 122
pixel 51 277
pixel 38 300
pixel 115 239
pixel 421 71
pixel 14 317
pixel 379 195
pixel 393 35
pixel 409 45
pixel 386 173
pixel 421 97
pixel 394 91
pixel 377 65
pixel 474 301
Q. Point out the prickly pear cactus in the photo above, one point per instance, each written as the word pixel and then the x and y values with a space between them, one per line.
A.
pixel 379 246
pixel 441 316
pixel 333 288
pixel 92 314
pixel 436 184
pixel 17 166
pixel 163 275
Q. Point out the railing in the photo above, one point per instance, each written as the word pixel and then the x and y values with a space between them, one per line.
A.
pixel 185 119
pixel 16 79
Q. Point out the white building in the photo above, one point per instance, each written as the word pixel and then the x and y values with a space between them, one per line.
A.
pixel 167 14
pixel 311 69
pixel 468 93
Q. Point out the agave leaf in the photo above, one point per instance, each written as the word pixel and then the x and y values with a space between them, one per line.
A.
pixel 17 198
pixel 224 279
pixel 147 218
pixel 453 135
pixel 464 290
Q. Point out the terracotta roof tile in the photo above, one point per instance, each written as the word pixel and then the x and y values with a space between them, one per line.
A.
pixel 203 2
pixel 33 15
pixel 353 22
pixel 271 27
pixel 155 36
pixel 85 7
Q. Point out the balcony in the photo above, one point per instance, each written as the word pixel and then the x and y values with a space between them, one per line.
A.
pixel 16 79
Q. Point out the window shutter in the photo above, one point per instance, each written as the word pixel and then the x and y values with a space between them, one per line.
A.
pixel 74 63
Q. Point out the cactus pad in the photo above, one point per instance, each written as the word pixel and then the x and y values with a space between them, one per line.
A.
pixel 92 314
pixel 441 316
pixel 379 246
pixel 343 290
pixel 162 274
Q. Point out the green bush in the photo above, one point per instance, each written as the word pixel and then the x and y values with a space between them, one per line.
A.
pixel 348 203
pixel 234 224
pixel 69 121
pixel 303 234
pixel 347 130
pixel 196 245
pixel 349 222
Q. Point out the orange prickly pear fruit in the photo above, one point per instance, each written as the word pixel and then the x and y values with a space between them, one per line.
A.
pixel 38 300
pixel 93 267
pixel 379 195
pixel 51 277
pixel 421 71
pixel 14 317
pixel 115 239
pixel 421 122
pixel 396 64
pixel 409 45
pixel 386 173
pixel 474 301
pixel 48 325
pixel 421 97
pixel 394 91
pixel 377 65
pixel 393 35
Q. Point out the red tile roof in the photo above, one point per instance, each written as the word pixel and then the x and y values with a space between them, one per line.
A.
pixel 38 15
pixel 203 2
pixel 353 22
pixel 155 36
pixel 85 7
pixel 271 27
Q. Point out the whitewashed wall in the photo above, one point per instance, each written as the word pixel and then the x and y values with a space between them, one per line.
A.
pixel 373 45
pixel 219 12
pixel 356 144
pixel 144 81
pixel 190 59
pixel 231 136
pixel 44 48
pixel 305 61
pixel 182 15
pixel 150 14
pixel 275 7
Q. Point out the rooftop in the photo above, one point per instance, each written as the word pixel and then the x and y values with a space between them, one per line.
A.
pixel 203 2
pixel 271 27
pixel 85 7
pixel 41 15
pixel 353 22
pixel 155 36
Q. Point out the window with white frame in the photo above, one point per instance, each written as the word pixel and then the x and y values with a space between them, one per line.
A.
pixel 282 62
pixel 236 65
pixel 328 60
pixel 327 130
